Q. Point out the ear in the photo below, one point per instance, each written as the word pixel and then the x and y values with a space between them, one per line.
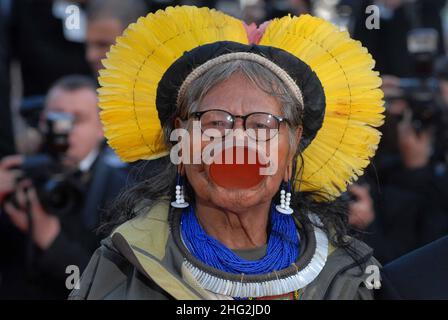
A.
pixel 289 168
pixel 298 134
pixel 100 124
pixel 101 132
pixel 178 123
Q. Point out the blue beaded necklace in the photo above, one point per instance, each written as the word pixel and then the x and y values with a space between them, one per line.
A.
pixel 282 248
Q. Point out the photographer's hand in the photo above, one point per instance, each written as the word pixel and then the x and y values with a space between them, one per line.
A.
pixel 46 227
pixel 415 148
pixel 8 177
pixel 361 211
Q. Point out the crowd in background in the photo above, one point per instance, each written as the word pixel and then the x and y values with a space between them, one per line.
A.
pixel 49 120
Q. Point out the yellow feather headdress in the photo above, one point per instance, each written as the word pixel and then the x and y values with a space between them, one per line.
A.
pixel 135 66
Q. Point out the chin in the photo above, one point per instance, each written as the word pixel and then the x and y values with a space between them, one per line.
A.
pixel 234 199
pixel 72 159
pixel 70 162
pixel 239 199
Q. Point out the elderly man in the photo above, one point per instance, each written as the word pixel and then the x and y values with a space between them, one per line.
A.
pixel 264 129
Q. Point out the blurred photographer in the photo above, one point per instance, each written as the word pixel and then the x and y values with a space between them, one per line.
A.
pixel 408 178
pixel 397 19
pixel 51 201
pixel 106 20
pixel 411 201
pixel 360 207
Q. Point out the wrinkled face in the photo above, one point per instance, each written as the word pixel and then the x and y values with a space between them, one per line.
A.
pixel 87 132
pixel 240 96
pixel 101 34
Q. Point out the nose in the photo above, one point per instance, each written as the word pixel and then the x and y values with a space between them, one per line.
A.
pixel 239 122
pixel 238 128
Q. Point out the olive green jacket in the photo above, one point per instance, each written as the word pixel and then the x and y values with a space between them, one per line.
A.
pixel 140 260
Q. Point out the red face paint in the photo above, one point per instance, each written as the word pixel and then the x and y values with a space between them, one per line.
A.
pixel 242 174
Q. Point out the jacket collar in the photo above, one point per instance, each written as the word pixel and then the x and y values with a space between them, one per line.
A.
pixel 143 241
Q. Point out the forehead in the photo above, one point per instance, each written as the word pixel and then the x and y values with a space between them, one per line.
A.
pixel 104 28
pixel 240 96
pixel 83 100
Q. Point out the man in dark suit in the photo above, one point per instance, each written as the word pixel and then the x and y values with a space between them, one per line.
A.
pixel 388 43
pixel 6 130
pixel 421 274
pixel 42 44
pixel 33 264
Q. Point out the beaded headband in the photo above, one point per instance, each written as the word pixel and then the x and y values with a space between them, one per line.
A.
pixel 248 56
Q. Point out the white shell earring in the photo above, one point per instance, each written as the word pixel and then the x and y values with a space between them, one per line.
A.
pixel 180 194
pixel 285 200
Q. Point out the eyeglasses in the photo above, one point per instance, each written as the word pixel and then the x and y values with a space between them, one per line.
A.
pixel 260 126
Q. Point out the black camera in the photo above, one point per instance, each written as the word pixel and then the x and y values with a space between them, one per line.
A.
pixel 58 187
pixel 422 93
pixel 425 102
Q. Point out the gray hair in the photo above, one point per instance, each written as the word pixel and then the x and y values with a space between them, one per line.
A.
pixel 259 75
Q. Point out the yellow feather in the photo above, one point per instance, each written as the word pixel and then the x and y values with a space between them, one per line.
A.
pixel 135 65
pixel 354 104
